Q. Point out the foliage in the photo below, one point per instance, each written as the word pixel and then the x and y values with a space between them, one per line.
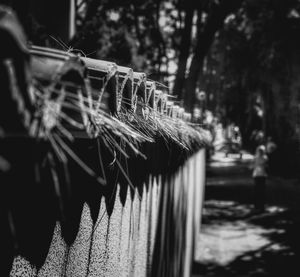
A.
pixel 126 32
pixel 256 60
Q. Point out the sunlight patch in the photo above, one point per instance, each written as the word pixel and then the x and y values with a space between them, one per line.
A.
pixel 223 243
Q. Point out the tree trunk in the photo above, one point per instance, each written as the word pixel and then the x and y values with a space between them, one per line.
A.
pixel 205 38
pixel 184 51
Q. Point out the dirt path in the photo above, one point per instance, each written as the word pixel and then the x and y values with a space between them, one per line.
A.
pixel 237 241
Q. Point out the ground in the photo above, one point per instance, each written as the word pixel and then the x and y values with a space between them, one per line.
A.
pixel 237 241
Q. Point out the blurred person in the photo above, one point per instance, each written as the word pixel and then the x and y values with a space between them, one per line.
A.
pixel 237 140
pixel 270 146
pixel 257 138
pixel 270 151
pixel 234 142
pixel 260 137
pixel 259 174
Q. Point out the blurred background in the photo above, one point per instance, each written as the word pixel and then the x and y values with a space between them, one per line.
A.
pixel 229 61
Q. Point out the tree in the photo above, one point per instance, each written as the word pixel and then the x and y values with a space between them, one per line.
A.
pixel 126 32
pixel 215 16
pixel 184 48
pixel 257 57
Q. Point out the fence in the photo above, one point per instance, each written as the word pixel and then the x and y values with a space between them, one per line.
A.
pixel 102 175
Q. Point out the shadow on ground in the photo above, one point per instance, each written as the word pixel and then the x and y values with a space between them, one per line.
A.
pixel 237 241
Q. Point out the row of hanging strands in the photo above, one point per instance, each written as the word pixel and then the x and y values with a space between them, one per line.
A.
pixel 131 99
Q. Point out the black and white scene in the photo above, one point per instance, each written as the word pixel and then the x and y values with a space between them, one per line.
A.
pixel 150 138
